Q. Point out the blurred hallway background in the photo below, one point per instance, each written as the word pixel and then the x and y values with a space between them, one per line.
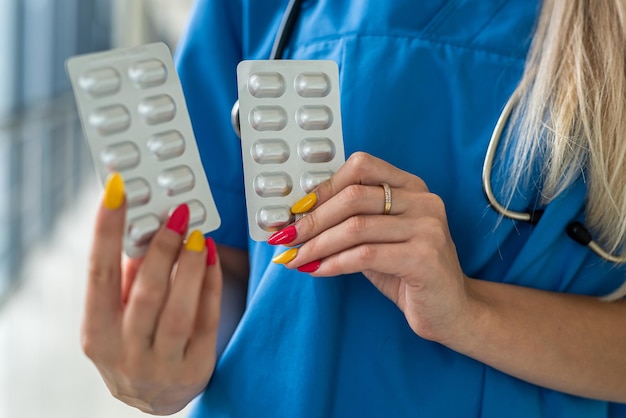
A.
pixel 48 196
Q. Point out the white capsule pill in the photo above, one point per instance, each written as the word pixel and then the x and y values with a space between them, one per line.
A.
pixel 270 151
pixel 197 213
pixel 157 109
pixel 167 145
pixel 276 184
pixel 264 85
pixel 148 73
pixel 120 157
pixel 314 117
pixel 110 120
pixel 137 192
pixel 316 150
pixel 311 179
pixel 312 85
pixel 101 82
pixel 273 218
pixel 176 180
pixel 268 118
pixel 141 230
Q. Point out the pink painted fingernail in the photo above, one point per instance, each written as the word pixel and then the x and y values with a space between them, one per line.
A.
pixel 310 267
pixel 211 256
pixel 179 219
pixel 284 236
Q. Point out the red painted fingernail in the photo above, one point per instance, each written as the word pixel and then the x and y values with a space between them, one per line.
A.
pixel 179 219
pixel 284 236
pixel 211 256
pixel 310 267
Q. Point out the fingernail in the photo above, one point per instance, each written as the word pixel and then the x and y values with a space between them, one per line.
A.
pixel 113 192
pixel 284 236
pixel 310 267
pixel 305 204
pixel 287 256
pixel 195 242
pixel 179 219
pixel 211 256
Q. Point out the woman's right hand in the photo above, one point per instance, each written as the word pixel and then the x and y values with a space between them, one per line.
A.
pixel 151 327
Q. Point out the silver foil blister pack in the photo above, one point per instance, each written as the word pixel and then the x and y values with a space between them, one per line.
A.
pixel 291 136
pixel 135 121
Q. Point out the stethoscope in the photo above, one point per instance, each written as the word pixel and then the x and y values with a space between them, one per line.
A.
pixel 575 230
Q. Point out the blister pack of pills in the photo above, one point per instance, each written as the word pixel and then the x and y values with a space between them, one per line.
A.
pixel 291 137
pixel 135 121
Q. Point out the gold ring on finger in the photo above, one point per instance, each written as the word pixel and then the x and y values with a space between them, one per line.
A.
pixel 387 190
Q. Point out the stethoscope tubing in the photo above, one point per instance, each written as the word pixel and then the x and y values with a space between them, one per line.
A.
pixel 575 230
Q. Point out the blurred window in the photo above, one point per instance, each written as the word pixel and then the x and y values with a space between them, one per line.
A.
pixel 43 159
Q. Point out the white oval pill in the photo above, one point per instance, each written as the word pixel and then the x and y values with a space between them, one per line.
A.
pixel 167 145
pixel 137 192
pixel 264 85
pixel 312 85
pixel 100 82
pixel 277 184
pixel 316 150
pixel 273 218
pixel 120 157
pixel 311 179
pixel 141 230
pixel 176 180
pixel 148 73
pixel 110 120
pixel 157 109
pixel 314 117
pixel 270 151
pixel 197 213
pixel 268 118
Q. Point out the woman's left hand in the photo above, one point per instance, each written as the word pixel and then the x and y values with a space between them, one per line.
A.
pixel 407 254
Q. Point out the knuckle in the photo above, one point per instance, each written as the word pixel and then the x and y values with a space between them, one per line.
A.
pixel 174 323
pixel 164 246
pixel 356 224
pixel 365 254
pixel 90 346
pixel 99 271
pixel 435 203
pixel 418 184
pixel 360 162
pixel 308 224
pixel 353 193
pixel 147 297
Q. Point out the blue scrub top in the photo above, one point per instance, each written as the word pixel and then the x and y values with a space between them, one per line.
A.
pixel 422 84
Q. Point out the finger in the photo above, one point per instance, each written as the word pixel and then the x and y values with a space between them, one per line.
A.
pixel 131 268
pixel 380 258
pixel 351 201
pixel 149 291
pixel 103 299
pixel 179 314
pixel 355 231
pixel 363 168
pixel 204 337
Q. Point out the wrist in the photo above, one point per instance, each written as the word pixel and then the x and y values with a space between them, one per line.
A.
pixel 463 335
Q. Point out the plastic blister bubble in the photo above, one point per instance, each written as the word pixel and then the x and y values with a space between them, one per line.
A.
pixel 290 121
pixel 135 121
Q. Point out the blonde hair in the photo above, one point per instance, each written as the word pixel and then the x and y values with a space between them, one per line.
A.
pixel 572 114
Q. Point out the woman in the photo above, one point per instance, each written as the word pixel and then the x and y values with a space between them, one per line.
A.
pixel 442 307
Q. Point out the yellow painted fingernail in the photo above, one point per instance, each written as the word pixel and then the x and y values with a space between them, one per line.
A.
pixel 195 242
pixel 286 257
pixel 305 204
pixel 114 192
